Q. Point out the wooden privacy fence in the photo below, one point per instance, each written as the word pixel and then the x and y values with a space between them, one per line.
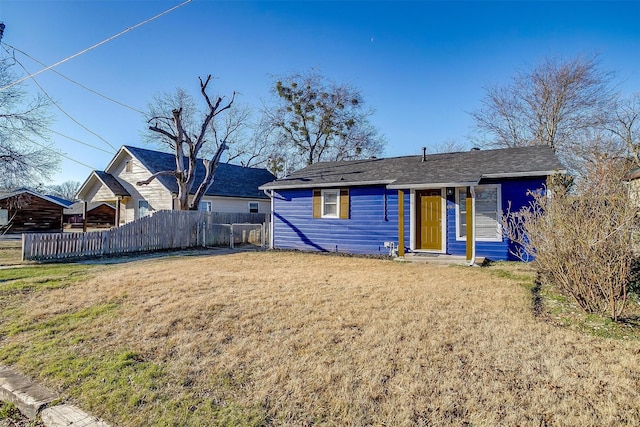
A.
pixel 160 231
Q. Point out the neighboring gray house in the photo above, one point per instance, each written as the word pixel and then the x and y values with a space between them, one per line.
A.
pixel 234 189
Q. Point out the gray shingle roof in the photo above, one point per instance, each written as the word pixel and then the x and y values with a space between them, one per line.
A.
pixel 229 181
pixel 467 167
pixel 65 202
pixel 112 183
pixel 633 174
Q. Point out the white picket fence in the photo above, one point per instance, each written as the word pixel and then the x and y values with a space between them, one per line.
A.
pixel 161 231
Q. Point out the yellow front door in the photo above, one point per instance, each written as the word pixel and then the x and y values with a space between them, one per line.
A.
pixel 429 220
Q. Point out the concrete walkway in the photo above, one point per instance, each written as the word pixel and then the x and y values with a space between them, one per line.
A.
pixel 441 259
pixel 34 400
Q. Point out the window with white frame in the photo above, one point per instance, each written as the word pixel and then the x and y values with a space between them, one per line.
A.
pixel 487 213
pixel 254 207
pixel 143 208
pixel 331 203
pixel 204 206
pixel 461 215
pixel 128 167
pixel 4 217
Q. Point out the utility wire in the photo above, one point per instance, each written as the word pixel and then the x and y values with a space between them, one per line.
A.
pixel 80 142
pixel 94 46
pixel 61 154
pixel 59 107
pixel 74 81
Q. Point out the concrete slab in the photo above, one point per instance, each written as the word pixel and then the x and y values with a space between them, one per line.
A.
pixel 29 397
pixel 439 259
pixel 69 416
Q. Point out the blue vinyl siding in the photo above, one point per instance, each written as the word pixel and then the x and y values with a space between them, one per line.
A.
pixel 514 191
pixel 370 223
pixel 454 247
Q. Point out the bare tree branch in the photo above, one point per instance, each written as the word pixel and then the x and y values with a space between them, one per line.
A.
pixel 556 103
pixel 147 181
pixel 187 140
pixel 23 162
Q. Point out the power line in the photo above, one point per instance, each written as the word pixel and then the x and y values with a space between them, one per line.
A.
pixel 94 46
pixel 80 142
pixel 60 108
pixel 62 155
pixel 74 81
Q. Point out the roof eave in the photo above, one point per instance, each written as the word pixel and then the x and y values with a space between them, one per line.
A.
pixel 417 185
pixel 101 181
pixel 285 186
pixel 123 148
pixel 243 197
pixel 84 184
pixel 33 193
pixel 522 174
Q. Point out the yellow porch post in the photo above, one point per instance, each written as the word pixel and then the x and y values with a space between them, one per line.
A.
pixel 400 223
pixel 470 228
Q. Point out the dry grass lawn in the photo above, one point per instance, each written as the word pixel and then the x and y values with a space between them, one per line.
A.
pixel 273 338
pixel 10 252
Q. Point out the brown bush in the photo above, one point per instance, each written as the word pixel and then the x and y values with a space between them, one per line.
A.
pixel 581 240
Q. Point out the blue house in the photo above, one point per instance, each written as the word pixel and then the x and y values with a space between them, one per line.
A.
pixel 447 203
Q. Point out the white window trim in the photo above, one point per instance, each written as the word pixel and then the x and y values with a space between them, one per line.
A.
pixel 498 237
pixel 257 204
pixel 208 203
pixel 337 193
pixel 148 208
pixel 457 203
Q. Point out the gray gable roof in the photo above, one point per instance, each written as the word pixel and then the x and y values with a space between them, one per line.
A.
pixel 112 183
pixel 229 181
pixel 447 169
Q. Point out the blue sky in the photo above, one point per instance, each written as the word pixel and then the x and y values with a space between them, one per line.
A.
pixel 421 66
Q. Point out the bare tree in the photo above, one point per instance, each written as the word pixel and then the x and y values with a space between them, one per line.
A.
pixel 316 120
pixel 625 125
pixel 23 162
pixel 67 190
pixel 449 146
pixel 186 135
pixel 248 142
pixel 553 104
